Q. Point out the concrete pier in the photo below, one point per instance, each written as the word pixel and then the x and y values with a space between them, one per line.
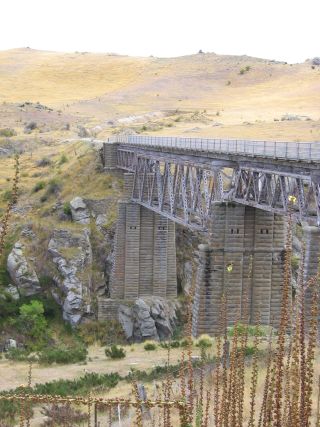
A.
pixel 145 254
pixel 245 263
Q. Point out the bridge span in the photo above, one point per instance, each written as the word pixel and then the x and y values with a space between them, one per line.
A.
pixel 238 194
pixel 181 178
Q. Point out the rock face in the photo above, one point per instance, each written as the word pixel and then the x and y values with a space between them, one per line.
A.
pixel 316 61
pixel 21 272
pixel 13 291
pixel 79 211
pixel 72 255
pixel 148 318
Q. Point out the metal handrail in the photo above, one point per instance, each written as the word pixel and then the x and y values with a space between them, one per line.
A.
pixel 307 151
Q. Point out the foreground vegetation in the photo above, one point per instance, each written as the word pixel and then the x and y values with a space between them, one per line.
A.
pixel 242 377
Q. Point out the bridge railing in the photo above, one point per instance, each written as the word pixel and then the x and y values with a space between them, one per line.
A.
pixel 307 151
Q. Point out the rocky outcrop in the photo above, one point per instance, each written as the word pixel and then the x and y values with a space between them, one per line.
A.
pixel 22 272
pixel 72 256
pixel 13 292
pixel 148 318
pixel 79 211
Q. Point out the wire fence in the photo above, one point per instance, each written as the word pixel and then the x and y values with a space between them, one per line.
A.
pixel 48 410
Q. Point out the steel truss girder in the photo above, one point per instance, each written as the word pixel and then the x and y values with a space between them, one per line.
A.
pixel 185 190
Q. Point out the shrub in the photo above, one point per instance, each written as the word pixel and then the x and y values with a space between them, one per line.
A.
pixel 63 159
pixel 150 346
pixel 295 262
pixel 31 126
pixel 253 330
pixel 78 386
pixel 245 69
pixel 170 344
pixel 8 411
pixel 9 307
pixel 107 333
pixel 7 132
pixel 204 341
pixel 18 355
pixel 54 186
pixel 32 323
pixel 184 343
pixel 44 162
pixel 250 350
pixel 115 352
pixel 67 209
pixel 63 355
pixel 58 414
pixel 7 195
pixel 38 186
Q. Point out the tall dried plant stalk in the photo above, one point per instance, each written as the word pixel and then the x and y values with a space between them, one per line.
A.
pixel 280 348
pixel 4 225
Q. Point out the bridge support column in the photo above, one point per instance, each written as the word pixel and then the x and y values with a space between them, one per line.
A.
pixel 245 263
pixel 110 155
pixel 204 301
pixel 145 254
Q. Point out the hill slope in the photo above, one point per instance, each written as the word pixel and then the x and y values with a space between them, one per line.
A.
pixel 233 90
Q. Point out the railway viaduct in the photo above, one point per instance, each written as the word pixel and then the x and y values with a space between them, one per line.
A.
pixel 237 192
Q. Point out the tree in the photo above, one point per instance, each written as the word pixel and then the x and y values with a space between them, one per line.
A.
pixel 33 324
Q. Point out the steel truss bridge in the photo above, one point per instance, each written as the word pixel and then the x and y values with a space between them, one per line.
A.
pixel 182 178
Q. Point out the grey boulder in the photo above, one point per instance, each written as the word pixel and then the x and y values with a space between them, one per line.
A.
pixel 79 211
pixel 148 318
pixel 22 272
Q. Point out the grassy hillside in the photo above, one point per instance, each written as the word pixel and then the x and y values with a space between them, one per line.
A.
pixel 242 96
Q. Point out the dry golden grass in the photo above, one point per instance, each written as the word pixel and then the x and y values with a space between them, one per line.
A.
pixel 15 373
pixel 100 87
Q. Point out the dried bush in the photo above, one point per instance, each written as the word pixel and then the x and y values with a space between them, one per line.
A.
pixel 62 415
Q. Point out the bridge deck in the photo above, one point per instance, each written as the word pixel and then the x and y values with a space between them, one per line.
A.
pixel 303 151
pixel 182 178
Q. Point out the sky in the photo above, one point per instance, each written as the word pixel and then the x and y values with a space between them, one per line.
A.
pixel 285 30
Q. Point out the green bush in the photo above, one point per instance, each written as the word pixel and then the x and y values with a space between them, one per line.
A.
pixel 170 344
pixel 7 196
pixel 79 386
pixel 253 330
pixel 204 341
pixel 9 307
pixel 63 159
pixel 32 323
pixel 184 343
pixel 115 352
pixel 245 70
pixel 106 333
pixel 54 186
pixel 9 410
pixel 67 209
pixel 7 132
pixel 38 186
pixel 249 351
pixel 295 262
pixel 19 355
pixel 150 346
pixel 63 355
